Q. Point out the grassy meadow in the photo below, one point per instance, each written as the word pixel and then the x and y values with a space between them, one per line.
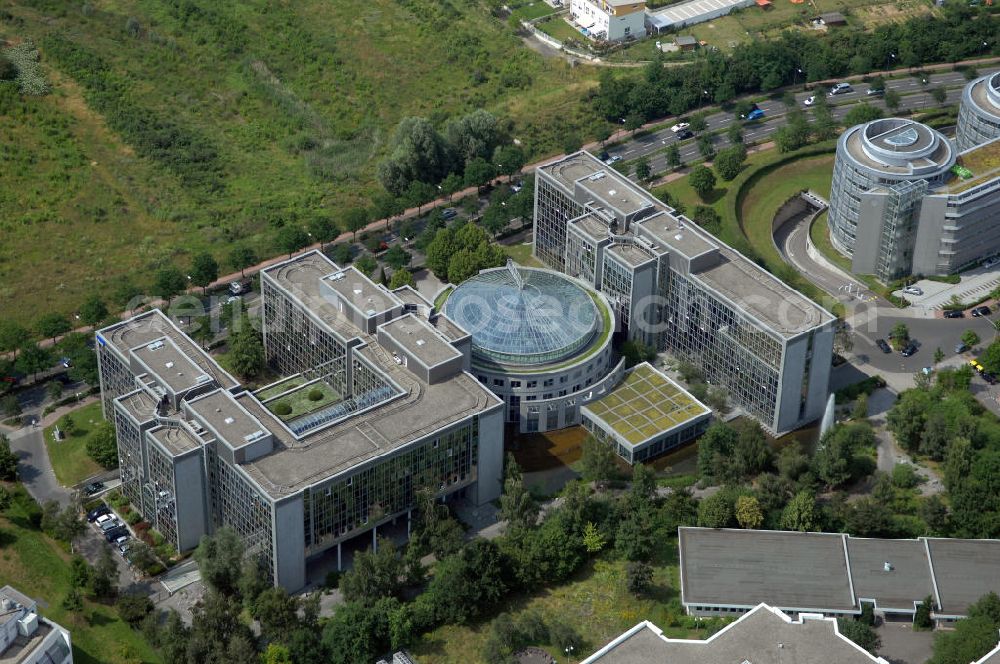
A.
pixel 282 109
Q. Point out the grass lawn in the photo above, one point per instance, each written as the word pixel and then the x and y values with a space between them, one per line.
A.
pixel 297 101
pixel 596 603
pixel 301 403
pixel 747 205
pixel 280 388
pixel 557 27
pixel 819 233
pixel 532 10
pixel 521 253
pixel 69 456
pixel 39 567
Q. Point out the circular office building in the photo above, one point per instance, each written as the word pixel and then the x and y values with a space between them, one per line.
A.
pixel 880 155
pixel 979 113
pixel 537 336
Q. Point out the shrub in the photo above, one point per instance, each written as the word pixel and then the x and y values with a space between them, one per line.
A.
pixel 133 607
pixel 133 518
pixel 315 394
pixel 282 408
pixel 332 580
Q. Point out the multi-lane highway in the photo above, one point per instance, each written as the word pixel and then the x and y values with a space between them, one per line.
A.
pixel 914 95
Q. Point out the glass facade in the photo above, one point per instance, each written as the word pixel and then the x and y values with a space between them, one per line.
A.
pixel 130 453
pixel 553 210
pixel 159 495
pixel 236 503
pixel 338 510
pixel 979 113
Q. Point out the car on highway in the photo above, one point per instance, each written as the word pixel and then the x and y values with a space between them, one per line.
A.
pixel 990 262
pixel 981 311
pixel 604 156
pixel 239 287
pixel 883 346
pixel 66 362
pixel 93 487
pixel 909 350
pixel 875 91
pixel 448 213
pixel 613 159
pixel 954 313
pixel 684 134
pixel 809 101
pixel 680 126
pixel 99 511
pixel 913 290
pixel 960 348
pixel 755 114
pixel 840 89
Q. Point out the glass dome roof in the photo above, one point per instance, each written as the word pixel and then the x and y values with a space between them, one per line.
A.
pixel 524 316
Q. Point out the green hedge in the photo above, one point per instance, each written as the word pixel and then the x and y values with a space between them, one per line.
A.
pixel 852 392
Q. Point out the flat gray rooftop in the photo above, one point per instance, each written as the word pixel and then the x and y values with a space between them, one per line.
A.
pixel 153 325
pixel 907 582
pixel 614 191
pixel 449 328
pixel 981 96
pixel 675 235
pixel 407 295
pixel 569 169
pixel 171 366
pixel 591 225
pixel 629 254
pixel 296 464
pixel 176 440
pixel 139 405
pixel 965 570
pixel 787 570
pixel 420 338
pixel 762 636
pixel 361 292
pixel 300 278
pixel 762 296
pixel 221 411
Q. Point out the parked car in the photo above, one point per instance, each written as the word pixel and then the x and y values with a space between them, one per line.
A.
pixel 883 346
pixel 684 134
pixel 448 213
pixel 104 518
pixel 840 89
pixel 913 290
pixel 118 531
pixel 954 313
pixel 990 262
pixel 119 541
pixel 680 126
pixel 990 378
pixel 810 100
pixel 93 487
pixel 108 525
pixel 98 512
pixel 239 287
pixel 910 349
pixel 960 348
pixel 981 311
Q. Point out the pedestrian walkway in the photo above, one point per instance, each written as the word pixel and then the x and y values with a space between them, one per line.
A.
pixel 181 576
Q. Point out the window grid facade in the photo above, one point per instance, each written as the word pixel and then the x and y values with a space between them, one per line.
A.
pixel 336 511
pixel 116 378
pixel 129 457
pixel 616 283
pixel 160 495
pixel 237 504
pixel 553 210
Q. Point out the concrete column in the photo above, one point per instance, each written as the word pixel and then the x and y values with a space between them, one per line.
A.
pixel 408 514
pixel 374 539
pixel 339 567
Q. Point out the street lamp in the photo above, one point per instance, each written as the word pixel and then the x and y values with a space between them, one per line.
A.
pixel 569 650
pixel 892 56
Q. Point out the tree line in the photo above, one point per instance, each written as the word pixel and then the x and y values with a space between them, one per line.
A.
pixel 955 33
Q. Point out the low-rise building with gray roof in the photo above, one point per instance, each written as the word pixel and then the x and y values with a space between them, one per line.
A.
pixel 763 635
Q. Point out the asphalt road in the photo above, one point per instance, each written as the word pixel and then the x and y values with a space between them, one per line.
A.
pixel 914 95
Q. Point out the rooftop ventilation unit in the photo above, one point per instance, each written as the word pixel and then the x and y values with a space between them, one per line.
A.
pixel 337 276
pixel 229 420
pixel 887 566
pixel 420 342
pixel 256 435
pixel 357 291
pixel 202 379
pixel 596 176
pixel 156 345
pixel 170 365
pixel 612 192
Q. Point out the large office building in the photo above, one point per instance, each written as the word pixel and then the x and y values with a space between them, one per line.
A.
pixel 678 289
pixel 375 403
pixel 730 571
pixel 979 112
pixel 764 634
pixel 906 200
pixel 28 638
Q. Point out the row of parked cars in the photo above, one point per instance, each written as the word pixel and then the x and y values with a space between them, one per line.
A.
pixel 113 529
pixel 909 349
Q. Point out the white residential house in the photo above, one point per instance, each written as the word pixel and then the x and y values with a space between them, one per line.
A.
pixel 611 20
